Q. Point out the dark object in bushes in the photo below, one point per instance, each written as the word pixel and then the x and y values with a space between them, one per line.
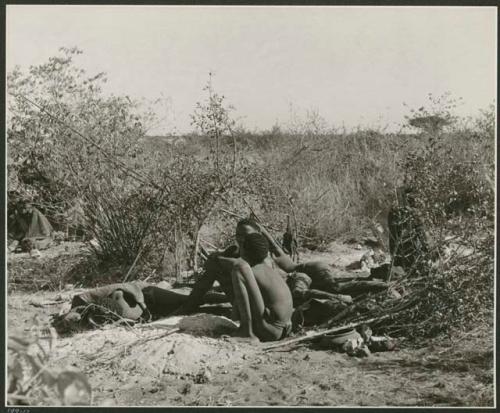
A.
pixel 355 288
pixel 383 272
pixel 408 241
pixel 290 243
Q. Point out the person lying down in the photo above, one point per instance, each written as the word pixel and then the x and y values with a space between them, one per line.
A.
pixel 262 300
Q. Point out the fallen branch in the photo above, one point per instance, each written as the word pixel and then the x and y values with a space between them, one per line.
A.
pixel 323 333
pixel 43 303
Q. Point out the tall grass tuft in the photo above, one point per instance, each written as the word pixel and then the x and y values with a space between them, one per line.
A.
pixel 122 221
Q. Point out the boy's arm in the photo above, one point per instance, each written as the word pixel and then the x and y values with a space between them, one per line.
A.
pixel 274 246
pixel 283 261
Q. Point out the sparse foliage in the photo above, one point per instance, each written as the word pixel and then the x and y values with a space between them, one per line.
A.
pixel 213 119
pixel 48 163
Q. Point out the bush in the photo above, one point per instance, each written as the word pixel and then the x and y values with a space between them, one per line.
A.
pixel 452 194
pixel 454 197
pixel 48 160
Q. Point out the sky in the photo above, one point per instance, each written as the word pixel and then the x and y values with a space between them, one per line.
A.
pixel 355 66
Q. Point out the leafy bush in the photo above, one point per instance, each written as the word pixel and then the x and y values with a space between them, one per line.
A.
pixel 62 131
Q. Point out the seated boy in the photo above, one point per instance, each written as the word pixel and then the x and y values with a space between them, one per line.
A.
pixel 217 270
pixel 262 300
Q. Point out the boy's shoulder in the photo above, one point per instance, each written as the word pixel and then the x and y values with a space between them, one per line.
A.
pixel 264 269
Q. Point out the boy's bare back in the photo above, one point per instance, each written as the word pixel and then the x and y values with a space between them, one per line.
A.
pixel 275 292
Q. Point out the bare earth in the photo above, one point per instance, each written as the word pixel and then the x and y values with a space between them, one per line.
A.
pixel 138 367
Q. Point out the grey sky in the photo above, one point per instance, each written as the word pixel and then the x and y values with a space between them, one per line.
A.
pixel 354 65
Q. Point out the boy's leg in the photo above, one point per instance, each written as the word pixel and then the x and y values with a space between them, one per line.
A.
pixel 248 298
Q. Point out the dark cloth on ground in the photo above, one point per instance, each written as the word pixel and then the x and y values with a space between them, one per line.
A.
pixel 161 302
pixel 131 301
pixel 39 225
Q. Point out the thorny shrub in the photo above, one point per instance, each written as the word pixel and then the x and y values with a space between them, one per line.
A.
pixel 451 180
pixel 453 192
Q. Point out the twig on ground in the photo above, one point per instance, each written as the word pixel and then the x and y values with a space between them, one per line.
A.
pixel 43 303
pixel 322 333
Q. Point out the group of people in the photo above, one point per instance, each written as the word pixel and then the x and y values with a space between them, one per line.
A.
pixel 263 284
pixel 249 274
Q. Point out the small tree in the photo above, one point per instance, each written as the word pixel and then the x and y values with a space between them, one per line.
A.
pixel 434 118
pixel 213 119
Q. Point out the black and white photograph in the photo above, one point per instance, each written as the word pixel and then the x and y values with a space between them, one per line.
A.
pixel 250 206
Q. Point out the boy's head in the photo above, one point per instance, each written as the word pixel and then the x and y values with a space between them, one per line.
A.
pixel 247 222
pixel 245 227
pixel 255 248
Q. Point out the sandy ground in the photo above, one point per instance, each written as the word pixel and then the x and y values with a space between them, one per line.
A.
pixel 146 367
